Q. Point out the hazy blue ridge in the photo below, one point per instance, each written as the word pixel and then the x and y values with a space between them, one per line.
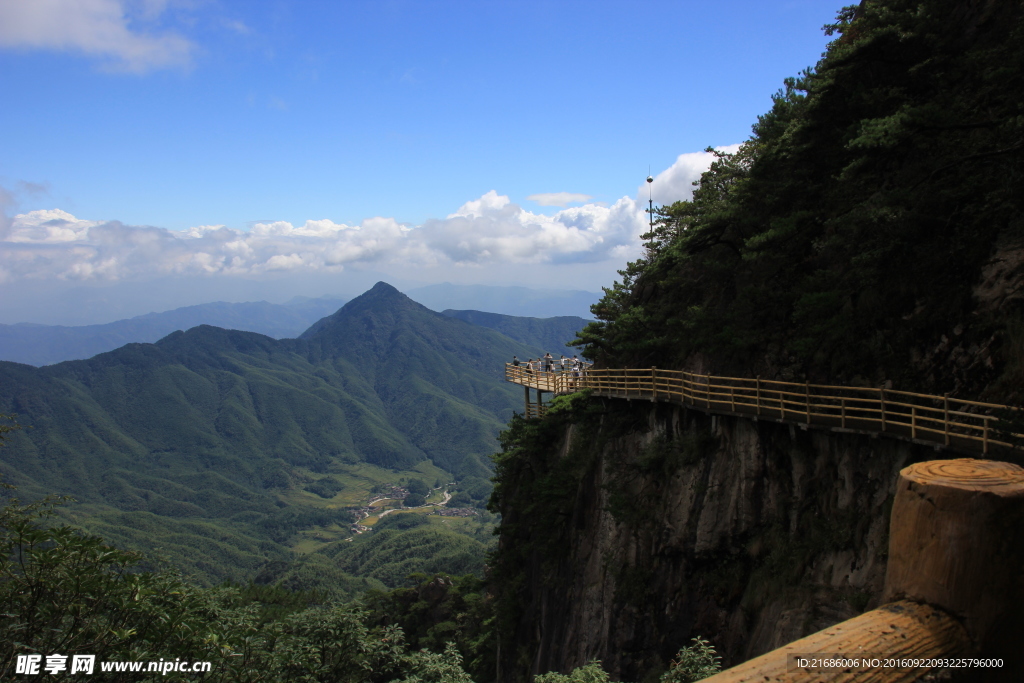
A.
pixel 47 344
pixel 550 334
pixel 518 301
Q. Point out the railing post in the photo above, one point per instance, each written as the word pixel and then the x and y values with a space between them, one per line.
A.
pixel 842 412
pixel 945 416
pixel 807 400
pixel 732 399
pixel 984 435
pixel 913 422
pixel 758 395
pixel 654 383
pixel 707 390
pixel 881 403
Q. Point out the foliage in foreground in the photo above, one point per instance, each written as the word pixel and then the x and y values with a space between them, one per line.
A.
pixel 844 240
pixel 62 592
pixel 693 663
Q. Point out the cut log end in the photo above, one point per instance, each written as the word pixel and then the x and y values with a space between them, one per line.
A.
pixel 956 540
pixel 968 474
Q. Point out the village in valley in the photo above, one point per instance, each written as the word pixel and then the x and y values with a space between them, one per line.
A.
pixel 393 493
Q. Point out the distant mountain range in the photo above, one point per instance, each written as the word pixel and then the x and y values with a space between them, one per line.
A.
pixel 48 344
pixel 549 334
pixel 230 450
pixel 518 301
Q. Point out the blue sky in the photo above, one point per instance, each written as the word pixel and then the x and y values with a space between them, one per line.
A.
pixel 422 140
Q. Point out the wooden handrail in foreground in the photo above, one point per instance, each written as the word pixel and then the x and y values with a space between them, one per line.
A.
pixel 956 547
pixel 954 423
pixel 870 647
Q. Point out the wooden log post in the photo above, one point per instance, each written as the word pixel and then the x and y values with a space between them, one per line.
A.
pixel 856 650
pixel 954 586
pixel 956 541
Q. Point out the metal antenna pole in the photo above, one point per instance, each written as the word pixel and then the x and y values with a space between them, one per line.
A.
pixel 650 199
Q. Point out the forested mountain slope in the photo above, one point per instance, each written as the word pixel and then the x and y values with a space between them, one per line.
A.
pixel 213 438
pixel 871 228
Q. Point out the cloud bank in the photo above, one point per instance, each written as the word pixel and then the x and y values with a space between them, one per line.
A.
pixel 98 28
pixel 53 245
pixel 559 198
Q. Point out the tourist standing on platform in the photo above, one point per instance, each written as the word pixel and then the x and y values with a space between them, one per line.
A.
pixel 549 362
pixel 515 362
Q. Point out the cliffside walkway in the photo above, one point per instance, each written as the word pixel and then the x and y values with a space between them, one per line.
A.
pixel 952 597
pixel 940 421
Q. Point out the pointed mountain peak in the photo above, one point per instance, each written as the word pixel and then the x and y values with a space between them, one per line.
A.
pixel 382 288
pixel 381 294
pixel 382 291
pixel 382 302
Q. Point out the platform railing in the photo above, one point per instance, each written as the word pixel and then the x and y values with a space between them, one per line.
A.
pixel 943 420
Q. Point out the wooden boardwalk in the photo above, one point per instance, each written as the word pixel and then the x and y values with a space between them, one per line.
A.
pixel 939 421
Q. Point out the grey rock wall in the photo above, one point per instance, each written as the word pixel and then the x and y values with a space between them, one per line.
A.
pixel 751 534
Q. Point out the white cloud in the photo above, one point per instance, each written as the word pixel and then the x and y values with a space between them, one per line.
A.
pixel 51 225
pixel 99 28
pixel 490 202
pixel 676 182
pixel 559 198
pixel 488 232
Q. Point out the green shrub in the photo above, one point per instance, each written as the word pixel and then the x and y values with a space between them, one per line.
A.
pixel 590 673
pixel 327 487
pixel 693 663
pixel 460 500
pixel 418 487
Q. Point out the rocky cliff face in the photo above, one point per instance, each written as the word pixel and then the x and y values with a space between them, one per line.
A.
pixel 629 528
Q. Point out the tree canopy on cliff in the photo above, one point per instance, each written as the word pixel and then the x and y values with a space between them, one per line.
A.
pixel 843 239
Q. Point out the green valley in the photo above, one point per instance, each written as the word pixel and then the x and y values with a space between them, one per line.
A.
pixel 237 457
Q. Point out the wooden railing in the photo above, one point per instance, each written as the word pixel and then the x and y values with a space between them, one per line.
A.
pixel 951 422
pixel 533 410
